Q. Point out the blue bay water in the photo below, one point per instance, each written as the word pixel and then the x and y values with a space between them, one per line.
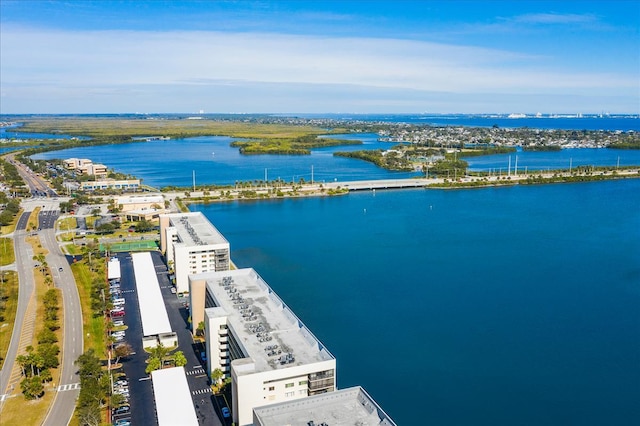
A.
pixel 172 163
pixel 490 306
pixel 4 149
pixel 623 122
pixel 494 306
pixel 565 159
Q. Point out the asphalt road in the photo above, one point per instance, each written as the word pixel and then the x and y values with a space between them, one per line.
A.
pixel 37 185
pixel 64 403
pixel 24 266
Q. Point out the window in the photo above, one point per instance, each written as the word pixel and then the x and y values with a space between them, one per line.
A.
pixel 289 394
pixel 302 382
pixel 302 392
pixel 272 388
pixel 288 385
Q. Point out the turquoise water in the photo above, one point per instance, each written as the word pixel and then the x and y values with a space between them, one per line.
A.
pixel 493 306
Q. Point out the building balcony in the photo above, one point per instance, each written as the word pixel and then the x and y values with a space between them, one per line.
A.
pixel 321 384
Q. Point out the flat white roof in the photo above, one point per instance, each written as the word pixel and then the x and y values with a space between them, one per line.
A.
pixel 134 199
pixel 259 319
pixel 346 407
pixel 174 405
pixel 113 269
pixel 194 229
pixel 152 310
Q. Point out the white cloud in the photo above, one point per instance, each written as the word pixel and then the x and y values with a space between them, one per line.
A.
pixel 106 60
pixel 556 18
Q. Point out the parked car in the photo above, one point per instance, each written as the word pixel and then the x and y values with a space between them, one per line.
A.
pixel 122 410
pixel 173 290
pixel 118 323
pixel 226 413
pixel 117 313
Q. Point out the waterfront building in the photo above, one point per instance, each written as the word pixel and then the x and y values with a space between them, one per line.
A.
pixel 127 203
pixel 255 339
pixel 93 169
pixel 76 163
pixel 351 406
pixel 141 207
pixel 126 184
pixel 192 245
pixel 84 166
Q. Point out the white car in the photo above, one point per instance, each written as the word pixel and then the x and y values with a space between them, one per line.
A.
pixel 173 290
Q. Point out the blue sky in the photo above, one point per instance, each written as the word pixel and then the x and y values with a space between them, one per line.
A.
pixel 319 56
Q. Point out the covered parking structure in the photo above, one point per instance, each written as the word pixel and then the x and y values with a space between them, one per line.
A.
pixel 174 405
pixel 153 312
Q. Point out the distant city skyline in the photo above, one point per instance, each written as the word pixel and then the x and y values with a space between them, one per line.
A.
pixel 319 57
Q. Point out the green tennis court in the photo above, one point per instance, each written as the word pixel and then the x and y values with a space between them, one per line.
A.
pixel 145 245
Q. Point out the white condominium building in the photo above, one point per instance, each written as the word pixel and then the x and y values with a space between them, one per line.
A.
pixel 192 245
pixel 255 339
pixel 345 407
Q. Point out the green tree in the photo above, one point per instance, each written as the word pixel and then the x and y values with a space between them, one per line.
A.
pixel 160 352
pixel 49 353
pixel 47 336
pixel 200 329
pixel 152 365
pixel 116 400
pixel 32 387
pixel 216 375
pixel 179 359
pixel 144 226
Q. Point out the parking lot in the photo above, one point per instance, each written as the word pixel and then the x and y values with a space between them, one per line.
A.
pixel 141 398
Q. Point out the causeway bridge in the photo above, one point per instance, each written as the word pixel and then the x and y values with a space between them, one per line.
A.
pixel 364 185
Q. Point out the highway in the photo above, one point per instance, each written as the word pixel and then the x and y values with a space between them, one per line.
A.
pixel 37 185
pixel 10 386
pixel 61 411
pixel 64 403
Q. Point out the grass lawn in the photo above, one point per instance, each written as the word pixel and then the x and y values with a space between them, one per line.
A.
pixel 7 229
pixel 93 326
pixel 7 255
pixel 32 224
pixel 9 282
